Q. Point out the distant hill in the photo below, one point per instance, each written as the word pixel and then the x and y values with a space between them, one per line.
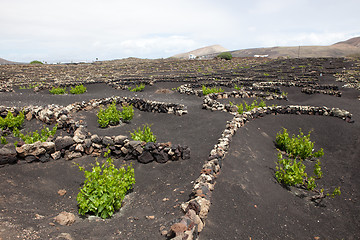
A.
pixel 3 62
pixel 352 42
pixel 214 49
pixel 340 49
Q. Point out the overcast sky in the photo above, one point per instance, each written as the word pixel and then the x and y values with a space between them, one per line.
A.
pixel 83 30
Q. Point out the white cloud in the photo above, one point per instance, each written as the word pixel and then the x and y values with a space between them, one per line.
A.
pixel 85 29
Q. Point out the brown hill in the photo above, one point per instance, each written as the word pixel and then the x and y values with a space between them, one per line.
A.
pixel 352 42
pixel 214 49
pixel 349 47
pixel 4 62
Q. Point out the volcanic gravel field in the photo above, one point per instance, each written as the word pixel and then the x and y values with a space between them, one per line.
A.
pixel 246 201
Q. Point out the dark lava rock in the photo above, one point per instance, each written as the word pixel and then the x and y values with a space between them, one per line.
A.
pixel 145 157
pixel 160 157
pixel 63 142
pixel 8 154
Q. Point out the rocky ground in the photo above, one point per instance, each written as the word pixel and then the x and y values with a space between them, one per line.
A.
pixel 225 189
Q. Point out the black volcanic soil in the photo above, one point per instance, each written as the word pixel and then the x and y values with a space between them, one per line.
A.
pixel 247 202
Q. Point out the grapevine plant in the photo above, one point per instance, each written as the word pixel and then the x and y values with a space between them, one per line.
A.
pixel 144 135
pixel 292 171
pixel 104 188
pixel 112 116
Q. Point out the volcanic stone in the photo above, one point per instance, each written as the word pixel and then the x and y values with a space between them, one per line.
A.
pixel 8 154
pixel 160 157
pixel 145 157
pixel 63 142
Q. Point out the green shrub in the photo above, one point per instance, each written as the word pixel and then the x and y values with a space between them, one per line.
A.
pixel 250 107
pixel 127 112
pixel 112 116
pixel 3 140
pixel 225 55
pixel 237 87
pixel 291 172
pixel 299 146
pixel 137 88
pixel 58 91
pixel 79 89
pixel 145 135
pixel 12 122
pixel 30 86
pixel 104 188
pixel 36 62
pixel 32 137
pixel 206 90
pixel 109 116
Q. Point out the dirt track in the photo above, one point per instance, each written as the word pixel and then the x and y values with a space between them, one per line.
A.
pixel 247 201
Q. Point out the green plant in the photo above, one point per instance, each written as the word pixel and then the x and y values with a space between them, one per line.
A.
pixel 237 87
pixel 299 146
pixel 58 90
pixel 79 89
pixel 12 122
pixel 289 171
pixel 36 62
pixel 249 107
pixel 317 169
pixel 127 112
pixel 32 137
pixel 3 140
pixel 206 90
pixel 31 86
pixel 335 192
pixel 240 108
pixel 262 103
pixel 284 94
pixel 137 88
pixel 109 116
pixel 266 74
pixel 104 188
pixel 145 135
pixel 112 116
pixel 225 55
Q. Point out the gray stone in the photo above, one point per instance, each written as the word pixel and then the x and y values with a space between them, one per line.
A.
pixel 108 141
pixel 8 154
pixel 49 147
pixel 65 218
pixel 79 139
pixel 97 146
pixel 136 146
pixel 79 148
pixel 56 155
pixel 63 142
pixel 72 155
pixel 34 149
pixel 124 150
pixel 95 139
pixel 30 159
pixel 44 158
pixel 150 146
pixel 87 143
pixel 145 157
pixel 120 139
pixel 160 157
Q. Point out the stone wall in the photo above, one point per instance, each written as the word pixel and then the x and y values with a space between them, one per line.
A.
pixel 80 142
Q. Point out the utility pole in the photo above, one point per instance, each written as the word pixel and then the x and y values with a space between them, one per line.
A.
pixel 299 52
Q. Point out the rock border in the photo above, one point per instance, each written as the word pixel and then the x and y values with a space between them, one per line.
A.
pixel 82 142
